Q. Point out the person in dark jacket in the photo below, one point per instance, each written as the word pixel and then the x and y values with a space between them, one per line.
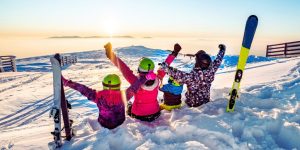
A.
pixel 199 80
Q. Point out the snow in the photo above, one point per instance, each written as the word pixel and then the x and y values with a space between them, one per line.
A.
pixel 267 113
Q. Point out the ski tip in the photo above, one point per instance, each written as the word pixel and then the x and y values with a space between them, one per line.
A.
pixel 253 16
pixel 57 56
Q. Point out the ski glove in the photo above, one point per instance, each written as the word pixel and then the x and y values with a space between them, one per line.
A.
pixel 166 67
pixel 222 47
pixel 108 50
pixel 163 65
pixel 176 50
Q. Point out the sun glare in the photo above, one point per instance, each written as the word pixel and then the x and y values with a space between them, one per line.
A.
pixel 110 27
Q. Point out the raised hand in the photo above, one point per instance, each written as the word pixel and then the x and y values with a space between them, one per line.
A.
pixel 163 65
pixel 108 50
pixel 176 50
pixel 222 47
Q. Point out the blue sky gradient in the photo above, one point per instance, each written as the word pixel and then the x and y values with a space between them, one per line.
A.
pixel 279 20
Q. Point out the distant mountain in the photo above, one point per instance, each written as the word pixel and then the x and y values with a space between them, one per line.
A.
pixel 135 53
pixel 85 37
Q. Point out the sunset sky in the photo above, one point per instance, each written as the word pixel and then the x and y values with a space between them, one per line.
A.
pixel 213 20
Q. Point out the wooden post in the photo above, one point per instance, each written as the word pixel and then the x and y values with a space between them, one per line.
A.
pixel 267 50
pixel 1 67
pixel 69 60
pixel 285 49
pixel 13 62
pixel 66 62
pixel 61 60
pixel 73 59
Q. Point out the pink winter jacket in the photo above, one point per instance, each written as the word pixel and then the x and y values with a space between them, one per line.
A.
pixel 145 101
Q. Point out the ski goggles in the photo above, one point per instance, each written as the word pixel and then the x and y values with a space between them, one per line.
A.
pixel 204 65
pixel 110 86
pixel 173 82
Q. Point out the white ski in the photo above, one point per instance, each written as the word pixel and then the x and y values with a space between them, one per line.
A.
pixel 55 112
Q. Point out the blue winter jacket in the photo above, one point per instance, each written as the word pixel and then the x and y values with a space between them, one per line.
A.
pixel 176 90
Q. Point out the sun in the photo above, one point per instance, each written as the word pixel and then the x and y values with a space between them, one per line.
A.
pixel 110 27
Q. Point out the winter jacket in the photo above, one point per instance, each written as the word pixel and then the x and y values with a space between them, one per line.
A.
pixel 198 81
pixel 169 87
pixel 109 102
pixel 172 94
pixel 145 99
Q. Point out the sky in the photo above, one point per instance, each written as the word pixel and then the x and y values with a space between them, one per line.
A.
pixel 209 22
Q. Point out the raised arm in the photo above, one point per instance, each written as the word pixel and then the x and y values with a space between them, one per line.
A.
pixel 133 88
pixel 160 72
pixel 84 90
pixel 217 62
pixel 127 73
pixel 180 76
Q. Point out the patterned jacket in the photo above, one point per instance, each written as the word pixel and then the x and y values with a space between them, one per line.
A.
pixel 198 81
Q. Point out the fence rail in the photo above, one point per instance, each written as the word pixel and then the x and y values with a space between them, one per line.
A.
pixel 8 63
pixel 69 59
pixel 283 50
pixel 189 55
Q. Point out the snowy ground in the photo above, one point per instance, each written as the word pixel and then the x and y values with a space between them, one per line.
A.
pixel 267 114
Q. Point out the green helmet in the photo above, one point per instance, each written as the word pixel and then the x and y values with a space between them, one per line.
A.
pixel 146 65
pixel 111 82
pixel 174 82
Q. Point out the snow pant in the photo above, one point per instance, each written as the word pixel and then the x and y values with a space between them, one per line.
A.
pixel 171 99
pixel 196 102
pixel 148 118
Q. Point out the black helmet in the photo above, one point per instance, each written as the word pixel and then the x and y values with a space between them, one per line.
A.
pixel 203 60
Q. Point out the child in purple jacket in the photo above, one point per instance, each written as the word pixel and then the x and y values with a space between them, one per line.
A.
pixel 109 101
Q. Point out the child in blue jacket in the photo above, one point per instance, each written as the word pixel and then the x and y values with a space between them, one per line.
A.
pixel 172 95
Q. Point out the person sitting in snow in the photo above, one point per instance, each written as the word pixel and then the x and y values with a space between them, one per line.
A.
pixel 172 95
pixel 199 80
pixel 145 106
pixel 109 101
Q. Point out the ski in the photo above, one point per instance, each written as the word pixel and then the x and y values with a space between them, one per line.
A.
pixel 64 106
pixel 55 111
pixel 249 32
pixel 60 106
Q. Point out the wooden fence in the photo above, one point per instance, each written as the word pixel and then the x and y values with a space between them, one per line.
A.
pixel 284 50
pixel 8 63
pixel 67 60
pixel 189 55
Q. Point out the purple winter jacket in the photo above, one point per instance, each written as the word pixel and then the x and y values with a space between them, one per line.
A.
pixel 109 102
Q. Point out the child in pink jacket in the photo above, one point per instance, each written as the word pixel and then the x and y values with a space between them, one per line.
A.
pixel 145 106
